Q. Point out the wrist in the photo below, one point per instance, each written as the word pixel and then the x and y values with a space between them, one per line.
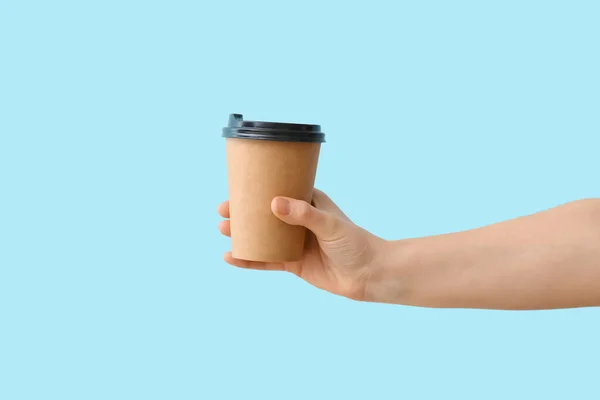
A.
pixel 392 278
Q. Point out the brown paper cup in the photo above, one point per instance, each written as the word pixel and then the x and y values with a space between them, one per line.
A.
pixel 258 171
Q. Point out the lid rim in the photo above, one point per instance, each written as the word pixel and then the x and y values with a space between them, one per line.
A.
pixel 277 136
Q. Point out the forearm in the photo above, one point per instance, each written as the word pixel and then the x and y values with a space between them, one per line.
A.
pixel 546 260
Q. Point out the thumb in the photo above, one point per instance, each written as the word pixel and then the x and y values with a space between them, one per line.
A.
pixel 325 226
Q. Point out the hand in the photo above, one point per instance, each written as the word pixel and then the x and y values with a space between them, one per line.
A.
pixel 339 256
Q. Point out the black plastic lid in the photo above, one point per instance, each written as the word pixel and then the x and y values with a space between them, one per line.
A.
pixel 277 131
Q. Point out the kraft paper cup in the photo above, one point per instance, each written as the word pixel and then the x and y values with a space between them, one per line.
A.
pixel 266 160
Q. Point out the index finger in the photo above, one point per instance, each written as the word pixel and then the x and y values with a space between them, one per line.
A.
pixel 223 209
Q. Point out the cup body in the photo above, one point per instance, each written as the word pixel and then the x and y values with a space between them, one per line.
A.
pixel 258 171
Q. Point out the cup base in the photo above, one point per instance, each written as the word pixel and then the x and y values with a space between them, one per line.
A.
pixel 268 259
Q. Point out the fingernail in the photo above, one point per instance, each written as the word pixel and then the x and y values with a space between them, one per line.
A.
pixel 282 206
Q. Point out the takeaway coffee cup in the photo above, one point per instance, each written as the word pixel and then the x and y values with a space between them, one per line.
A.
pixel 265 160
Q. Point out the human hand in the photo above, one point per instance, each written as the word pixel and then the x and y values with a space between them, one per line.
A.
pixel 339 256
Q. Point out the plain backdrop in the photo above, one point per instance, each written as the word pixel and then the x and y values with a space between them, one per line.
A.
pixel 440 116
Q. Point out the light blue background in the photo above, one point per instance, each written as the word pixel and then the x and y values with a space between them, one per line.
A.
pixel 440 115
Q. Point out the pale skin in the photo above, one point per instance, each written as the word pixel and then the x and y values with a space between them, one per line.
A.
pixel 546 260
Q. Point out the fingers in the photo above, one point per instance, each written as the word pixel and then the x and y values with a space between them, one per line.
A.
pixel 324 225
pixel 225 228
pixel 320 200
pixel 223 209
pixel 324 219
pixel 252 264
